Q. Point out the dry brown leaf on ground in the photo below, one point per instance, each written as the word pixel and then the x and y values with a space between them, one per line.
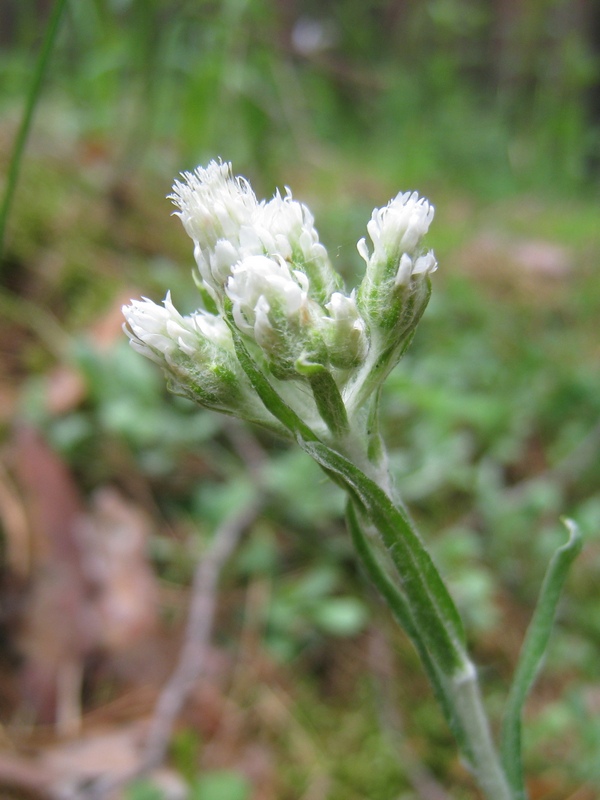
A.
pixel 59 626
pixel 113 538
pixel 63 771
pixel 91 590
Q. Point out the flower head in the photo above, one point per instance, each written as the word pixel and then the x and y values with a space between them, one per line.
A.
pixel 400 226
pixel 396 232
pixel 195 351
pixel 217 211
pixel 227 223
pixel 295 239
pixel 270 303
pixel 395 288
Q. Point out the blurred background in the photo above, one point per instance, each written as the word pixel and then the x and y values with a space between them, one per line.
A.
pixel 110 489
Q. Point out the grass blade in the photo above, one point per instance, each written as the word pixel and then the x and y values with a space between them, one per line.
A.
pixel 32 100
pixel 531 655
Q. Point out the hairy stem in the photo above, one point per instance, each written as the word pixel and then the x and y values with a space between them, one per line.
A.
pixel 457 689
pixel 484 762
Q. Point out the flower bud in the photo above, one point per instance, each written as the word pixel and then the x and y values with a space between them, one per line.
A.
pixel 296 240
pixel 270 304
pixel 395 289
pixel 196 353
pixel 344 332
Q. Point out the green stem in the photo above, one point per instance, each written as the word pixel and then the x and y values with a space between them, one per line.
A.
pixel 421 602
pixel 485 764
pixel 32 100
pixel 457 692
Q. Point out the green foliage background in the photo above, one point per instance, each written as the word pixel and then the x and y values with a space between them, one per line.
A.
pixel 492 418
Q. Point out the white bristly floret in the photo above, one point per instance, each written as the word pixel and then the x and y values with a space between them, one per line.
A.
pixel 161 332
pixel 213 205
pixel 409 267
pixel 227 223
pixel 258 284
pixel 401 224
pixel 396 232
pixel 345 330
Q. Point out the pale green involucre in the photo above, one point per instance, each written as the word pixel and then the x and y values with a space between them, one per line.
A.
pixel 396 277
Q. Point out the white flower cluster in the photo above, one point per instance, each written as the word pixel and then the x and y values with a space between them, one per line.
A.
pixel 196 352
pixel 265 274
pixel 227 223
pixel 265 258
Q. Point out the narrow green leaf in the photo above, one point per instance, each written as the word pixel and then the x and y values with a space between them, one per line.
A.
pixel 432 608
pixel 273 402
pixel 327 397
pixel 400 608
pixel 393 596
pixel 532 652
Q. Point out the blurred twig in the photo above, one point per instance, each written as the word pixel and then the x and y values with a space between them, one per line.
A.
pixel 32 100
pixel 197 635
pixel 199 625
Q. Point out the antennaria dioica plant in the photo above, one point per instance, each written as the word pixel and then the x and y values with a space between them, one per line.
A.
pixel 278 342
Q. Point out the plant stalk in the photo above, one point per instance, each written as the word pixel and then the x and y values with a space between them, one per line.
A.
pixel 418 597
pixel 484 760
pixel 457 690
